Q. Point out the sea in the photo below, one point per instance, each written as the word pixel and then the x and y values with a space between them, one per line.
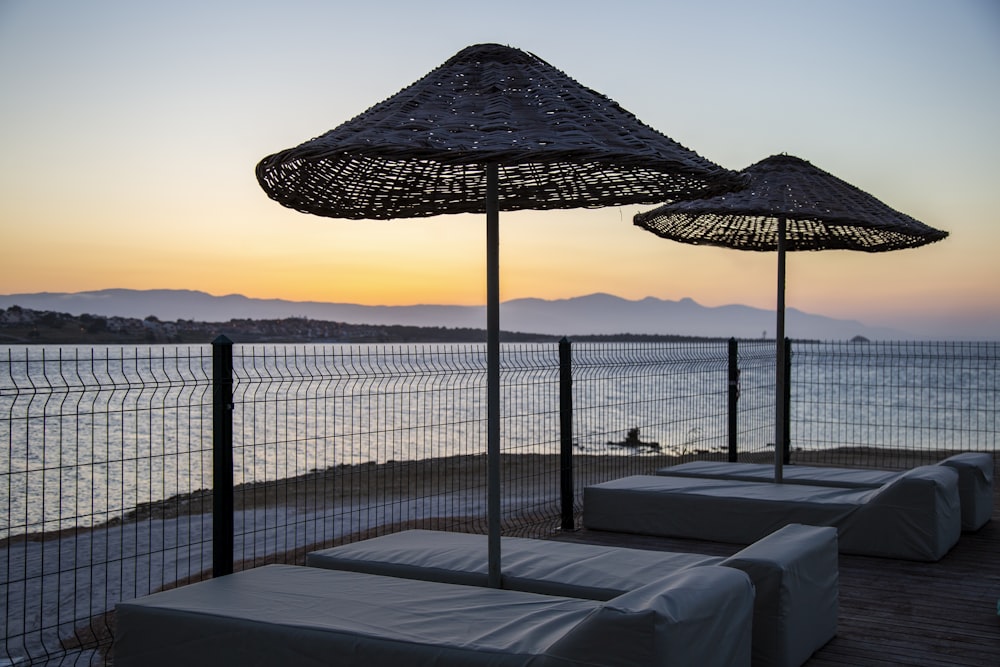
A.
pixel 88 434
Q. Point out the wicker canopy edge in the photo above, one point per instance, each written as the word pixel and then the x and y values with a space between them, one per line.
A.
pixel 423 151
pixel 822 212
pixel 324 188
pixel 760 233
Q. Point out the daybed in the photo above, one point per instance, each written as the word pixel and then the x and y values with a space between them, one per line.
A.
pixel 915 516
pixel 793 570
pixel 292 615
pixel 975 479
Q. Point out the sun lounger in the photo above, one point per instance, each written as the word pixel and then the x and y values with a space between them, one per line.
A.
pixel 975 479
pixel 794 572
pixel 305 616
pixel 915 516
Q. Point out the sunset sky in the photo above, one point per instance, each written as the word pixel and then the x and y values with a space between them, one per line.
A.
pixel 130 132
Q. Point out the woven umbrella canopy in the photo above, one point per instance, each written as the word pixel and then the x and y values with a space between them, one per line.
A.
pixel 788 204
pixel 492 128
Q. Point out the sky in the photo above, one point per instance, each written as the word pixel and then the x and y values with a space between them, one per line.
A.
pixel 130 132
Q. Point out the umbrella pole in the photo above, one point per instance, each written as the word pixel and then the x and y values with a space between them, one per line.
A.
pixel 493 372
pixel 779 362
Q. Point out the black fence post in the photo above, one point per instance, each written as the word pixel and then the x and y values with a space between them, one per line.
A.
pixel 222 456
pixel 734 397
pixel 787 444
pixel 566 433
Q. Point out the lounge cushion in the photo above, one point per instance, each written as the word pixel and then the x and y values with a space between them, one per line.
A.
pixel 915 516
pixel 975 487
pixel 537 566
pixel 290 615
pixel 794 572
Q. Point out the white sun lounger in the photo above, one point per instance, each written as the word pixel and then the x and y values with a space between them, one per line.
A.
pixel 915 516
pixel 794 572
pixel 975 479
pixel 306 616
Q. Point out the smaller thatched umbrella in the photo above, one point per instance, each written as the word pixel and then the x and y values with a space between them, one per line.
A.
pixel 788 204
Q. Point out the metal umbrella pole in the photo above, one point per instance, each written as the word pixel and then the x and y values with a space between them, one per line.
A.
pixel 779 362
pixel 493 373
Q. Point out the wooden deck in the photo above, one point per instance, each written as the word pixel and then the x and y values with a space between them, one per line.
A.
pixel 895 612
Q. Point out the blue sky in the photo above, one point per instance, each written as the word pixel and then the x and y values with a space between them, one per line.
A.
pixel 131 130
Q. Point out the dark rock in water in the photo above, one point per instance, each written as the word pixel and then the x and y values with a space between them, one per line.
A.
pixel 632 440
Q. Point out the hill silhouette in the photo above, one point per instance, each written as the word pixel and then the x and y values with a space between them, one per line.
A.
pixel 593 314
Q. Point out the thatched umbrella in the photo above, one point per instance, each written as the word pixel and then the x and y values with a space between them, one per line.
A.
pixel 788 204
pixel 492 128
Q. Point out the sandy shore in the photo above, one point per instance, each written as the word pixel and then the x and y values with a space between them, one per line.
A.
pixel 78 575
pixel 521 474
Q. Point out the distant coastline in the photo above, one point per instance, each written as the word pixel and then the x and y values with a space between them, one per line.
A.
pixel 598 314
pixel 24 326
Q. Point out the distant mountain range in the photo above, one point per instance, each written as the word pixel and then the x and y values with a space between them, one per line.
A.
pixel 594 314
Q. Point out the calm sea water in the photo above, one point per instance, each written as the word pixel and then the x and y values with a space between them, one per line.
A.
pixel 87 434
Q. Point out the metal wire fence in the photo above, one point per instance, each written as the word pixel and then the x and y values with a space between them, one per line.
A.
pixel 102 449
pixel 106 454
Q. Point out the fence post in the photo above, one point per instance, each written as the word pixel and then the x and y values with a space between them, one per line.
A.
pixel 566 432
pixel 787 398
pixel 734 397
pixel 222 456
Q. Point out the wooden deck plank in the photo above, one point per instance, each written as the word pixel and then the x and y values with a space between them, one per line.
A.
pixel 895 612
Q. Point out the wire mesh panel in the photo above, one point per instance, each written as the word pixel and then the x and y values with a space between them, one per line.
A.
pixel 644 405
pixel 104 456
pixel 882 403
pixel 338 442
pixel 756 413
pixel 530 438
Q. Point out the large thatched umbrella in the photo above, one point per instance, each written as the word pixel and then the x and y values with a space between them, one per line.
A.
pixel 492 128
pixel 788 204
